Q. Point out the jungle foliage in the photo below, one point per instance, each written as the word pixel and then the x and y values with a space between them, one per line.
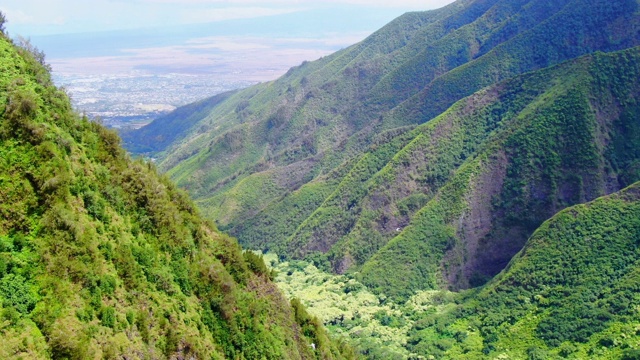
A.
pixel 572 292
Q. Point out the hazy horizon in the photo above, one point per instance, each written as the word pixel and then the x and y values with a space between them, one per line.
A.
pixel 124 60
pixel 37 18
pixel 257 40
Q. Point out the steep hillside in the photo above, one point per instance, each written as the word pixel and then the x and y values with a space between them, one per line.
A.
pixel 472 184
pixel 572 292
pixel 339 156
pixel 491 169
pixel 100 257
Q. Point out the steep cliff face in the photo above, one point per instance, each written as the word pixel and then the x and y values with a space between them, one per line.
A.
pixel 102 257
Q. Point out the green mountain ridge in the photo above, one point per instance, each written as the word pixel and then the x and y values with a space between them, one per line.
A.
pixel 330 162
pixel 179 121
pixel 544 141
pixel 100 257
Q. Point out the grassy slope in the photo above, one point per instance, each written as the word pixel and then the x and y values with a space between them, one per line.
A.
pixel 102 257
pixel 320 87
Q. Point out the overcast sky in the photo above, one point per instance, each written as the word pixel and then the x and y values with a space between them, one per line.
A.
pixel 41 17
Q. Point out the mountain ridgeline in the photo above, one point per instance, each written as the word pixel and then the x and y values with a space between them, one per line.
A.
pixel 422 151
pixel 101 257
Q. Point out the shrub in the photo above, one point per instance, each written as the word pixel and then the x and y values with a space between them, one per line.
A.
pixel 255 263
pixel 108 316
pixel 21 104
pixel 17 293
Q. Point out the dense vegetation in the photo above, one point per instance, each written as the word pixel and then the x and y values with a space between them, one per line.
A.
pixel 100 257
pixel 572 292
pixel 376 325
pixel 526 148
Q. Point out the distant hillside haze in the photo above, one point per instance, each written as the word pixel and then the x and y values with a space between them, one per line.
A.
pixel 282 37
pixel 130 75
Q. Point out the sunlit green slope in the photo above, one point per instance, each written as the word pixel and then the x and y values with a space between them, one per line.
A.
pixel 100 257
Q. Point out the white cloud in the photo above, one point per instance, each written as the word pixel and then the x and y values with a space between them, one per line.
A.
pixel 420 4
pixel 37 17
pixel 230 13
pixel 17 16
pixel 238 58
pixel 229 2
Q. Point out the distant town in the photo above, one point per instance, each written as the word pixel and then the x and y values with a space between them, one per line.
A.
pixel 133 100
